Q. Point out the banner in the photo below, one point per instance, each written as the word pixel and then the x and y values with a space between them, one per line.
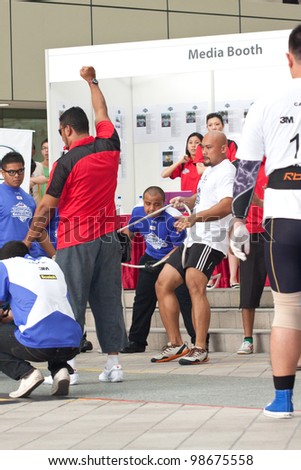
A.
pixel 17 140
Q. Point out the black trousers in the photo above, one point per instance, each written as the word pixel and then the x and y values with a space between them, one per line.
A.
pixel 14 356
pixel 145 303
pixel 253 273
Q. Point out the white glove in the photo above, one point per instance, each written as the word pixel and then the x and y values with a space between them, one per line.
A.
pixel 240 240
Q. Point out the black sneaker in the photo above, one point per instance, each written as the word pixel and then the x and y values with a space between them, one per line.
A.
pixel 133 347
pixel 85 344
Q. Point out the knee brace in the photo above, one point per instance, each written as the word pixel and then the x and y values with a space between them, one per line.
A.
pixel 287 310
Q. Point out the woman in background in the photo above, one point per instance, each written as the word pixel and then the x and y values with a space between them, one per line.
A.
pixel 185 167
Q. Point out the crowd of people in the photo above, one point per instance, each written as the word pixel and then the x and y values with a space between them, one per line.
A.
pixel 243 205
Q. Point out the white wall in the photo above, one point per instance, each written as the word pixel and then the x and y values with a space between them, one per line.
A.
pixel 158 75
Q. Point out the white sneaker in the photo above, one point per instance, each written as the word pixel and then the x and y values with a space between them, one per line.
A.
pixel 113 375
pixel 195 356
pixel 28 384
pixel 61 381
pixel 74 379
pixel 246 348
pixel 171 352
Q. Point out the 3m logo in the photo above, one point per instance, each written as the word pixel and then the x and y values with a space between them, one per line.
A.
pixel 287 120
pixel 291 176
pixel 48 276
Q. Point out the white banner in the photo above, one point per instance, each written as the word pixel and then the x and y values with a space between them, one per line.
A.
pixel 17 140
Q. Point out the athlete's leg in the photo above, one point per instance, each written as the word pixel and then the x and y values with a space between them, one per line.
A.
pixel 197 282
pixel 168 280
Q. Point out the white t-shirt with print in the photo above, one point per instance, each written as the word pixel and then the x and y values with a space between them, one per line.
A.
pixel 273 128
pixel 215 185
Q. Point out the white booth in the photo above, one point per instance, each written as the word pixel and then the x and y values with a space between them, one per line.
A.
pixel 158 92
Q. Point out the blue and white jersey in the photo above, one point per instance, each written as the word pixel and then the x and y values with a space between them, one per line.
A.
pixel 16 212
pixel 37 293
pixel 159 233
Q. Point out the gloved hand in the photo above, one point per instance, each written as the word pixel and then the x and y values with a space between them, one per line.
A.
pixel 240 240
pixel 149 266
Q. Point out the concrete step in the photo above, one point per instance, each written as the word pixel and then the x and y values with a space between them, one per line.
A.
pixel 217 298
pixel 226 332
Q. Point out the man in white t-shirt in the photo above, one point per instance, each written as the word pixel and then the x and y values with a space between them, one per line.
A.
pixel 206 245
pixel 273 129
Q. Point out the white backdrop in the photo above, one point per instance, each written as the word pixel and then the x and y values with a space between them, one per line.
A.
pixel 17 140
pixel 216 73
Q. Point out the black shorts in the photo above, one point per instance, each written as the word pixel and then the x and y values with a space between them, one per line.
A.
pixel 199 256
pixel 283 254
pixel 253 273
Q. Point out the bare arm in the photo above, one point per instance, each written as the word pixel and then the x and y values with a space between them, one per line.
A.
pixel 41 179
pixel 218 211
pixel 168 171
pixel 40 221
pixel 98 100
pixel 180 201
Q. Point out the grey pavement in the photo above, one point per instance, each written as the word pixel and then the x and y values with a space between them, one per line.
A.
pixel 217 405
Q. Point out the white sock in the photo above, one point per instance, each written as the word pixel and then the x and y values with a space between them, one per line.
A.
pixel 72 363
pixel 112 360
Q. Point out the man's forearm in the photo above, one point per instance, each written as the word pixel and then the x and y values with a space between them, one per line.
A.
pixel 99 104
pixel 88 73
pixel 216 212
pixel 46 244
pixel 38 224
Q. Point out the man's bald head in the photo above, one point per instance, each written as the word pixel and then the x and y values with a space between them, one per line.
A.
pixel 214 147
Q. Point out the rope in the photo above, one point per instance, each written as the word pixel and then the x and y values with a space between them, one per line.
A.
pixel 161 261
pixel 216 277
pixel 145 217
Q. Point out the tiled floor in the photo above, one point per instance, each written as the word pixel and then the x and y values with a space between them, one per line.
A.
pixel 217 405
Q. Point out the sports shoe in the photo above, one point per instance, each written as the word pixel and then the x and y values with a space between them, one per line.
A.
pixel 246 348
pixel 282 406
pixel 74 379
pixel 115 374
pixel 133 347
pixel 85 344
pixel 195 356
pixel 171 352
pixel 61 381
pixel 28 384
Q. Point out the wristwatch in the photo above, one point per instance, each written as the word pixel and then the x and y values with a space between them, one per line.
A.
pixel 94 81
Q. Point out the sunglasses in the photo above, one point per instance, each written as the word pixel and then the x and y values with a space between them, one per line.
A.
pixel 14 172
pixel 60 130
